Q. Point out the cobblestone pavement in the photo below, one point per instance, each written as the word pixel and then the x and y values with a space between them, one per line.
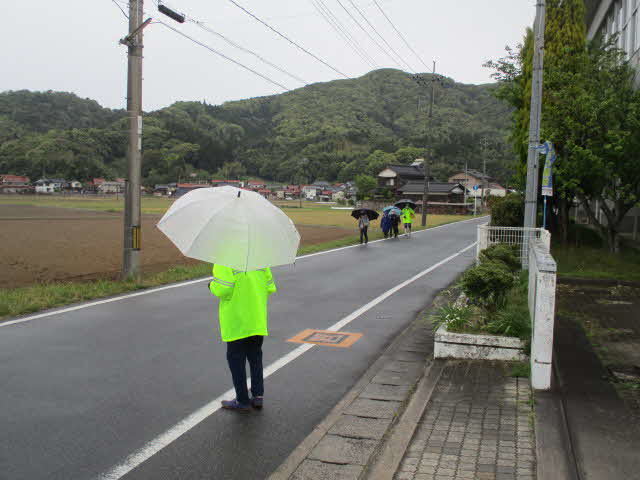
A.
pixel 477 425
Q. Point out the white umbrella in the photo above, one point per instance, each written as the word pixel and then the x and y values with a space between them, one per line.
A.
pixel 232 227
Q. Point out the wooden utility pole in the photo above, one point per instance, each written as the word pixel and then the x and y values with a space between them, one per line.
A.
pixel 132 217
pixel 531 196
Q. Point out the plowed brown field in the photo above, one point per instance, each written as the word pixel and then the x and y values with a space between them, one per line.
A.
pixel 43 244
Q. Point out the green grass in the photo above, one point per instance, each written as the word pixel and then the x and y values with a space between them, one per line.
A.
pixel 586 256
pixel 25 300
pixel 597 263
pixel 521 370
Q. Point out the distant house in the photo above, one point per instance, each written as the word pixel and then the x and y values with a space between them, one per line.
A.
pixel 339 195
pixel 255 184
pixel 473 178
pixel 111 187
pixel 439 192
pixel 50 185
pixel 183 188
pixel 74 186
pixel 15 184
pixel 160 190
pixel 310 192
pixel 265 192
pixel 394 177
pixel 233 183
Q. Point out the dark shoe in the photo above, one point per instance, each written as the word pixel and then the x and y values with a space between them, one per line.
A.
pixel 256 402
pixel 235 405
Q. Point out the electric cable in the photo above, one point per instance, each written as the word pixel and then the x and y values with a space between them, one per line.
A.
pixel 223 55
pixel 400 34
pixel 381 37
pixel 368 34
pixel 337 26
pixel 287 38
pixel 246 50
pixel 120 8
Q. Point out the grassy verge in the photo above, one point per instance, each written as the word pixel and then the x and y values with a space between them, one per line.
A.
pixel 25 300
pixel 586 257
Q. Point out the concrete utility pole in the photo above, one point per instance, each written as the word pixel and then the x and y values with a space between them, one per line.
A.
pixel 531 197
pixel 425 191
pixel 132 224
pixel 484 143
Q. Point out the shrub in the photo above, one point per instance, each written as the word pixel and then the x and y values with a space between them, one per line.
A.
pixel 453 317
pixel 508 211
pixel 502 252
pixel 487 283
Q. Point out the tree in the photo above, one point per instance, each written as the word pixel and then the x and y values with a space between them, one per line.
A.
pixel 594 117
pixel 366 185
pixel 231 171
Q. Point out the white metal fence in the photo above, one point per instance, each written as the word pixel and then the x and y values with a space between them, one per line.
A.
pixel 535 255
pixel 520 236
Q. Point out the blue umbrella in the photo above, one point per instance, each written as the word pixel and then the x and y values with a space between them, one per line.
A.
pixel 390 209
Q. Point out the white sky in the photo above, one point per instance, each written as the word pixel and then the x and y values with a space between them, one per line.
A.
pixel 72 45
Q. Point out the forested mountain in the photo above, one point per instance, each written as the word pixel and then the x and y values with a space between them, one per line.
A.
pixel 333 130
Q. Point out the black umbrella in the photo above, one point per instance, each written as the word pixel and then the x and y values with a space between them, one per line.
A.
pixel 406 202
pixel 358 212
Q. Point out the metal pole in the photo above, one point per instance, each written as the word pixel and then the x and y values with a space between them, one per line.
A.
pixel 131 254
pixel 465 183
pixel 531 197
pixel 425 190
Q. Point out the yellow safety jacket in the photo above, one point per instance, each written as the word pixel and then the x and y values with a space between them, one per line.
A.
pixel 243 301
pixel 407 215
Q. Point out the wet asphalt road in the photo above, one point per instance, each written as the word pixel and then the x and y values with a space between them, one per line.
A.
pixel 83 390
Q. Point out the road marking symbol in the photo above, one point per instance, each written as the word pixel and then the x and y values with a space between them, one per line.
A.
pixel 326 338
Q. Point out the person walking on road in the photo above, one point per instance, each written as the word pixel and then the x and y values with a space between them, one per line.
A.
pixel 395 222
pixel 243 326
pixel 407 219
pixel 385 224
pixel 363 225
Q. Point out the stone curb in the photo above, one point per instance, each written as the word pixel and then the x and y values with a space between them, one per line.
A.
pixel 355 432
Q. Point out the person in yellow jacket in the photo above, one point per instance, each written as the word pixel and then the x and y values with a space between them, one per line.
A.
pixel 407 219
pixel 243 326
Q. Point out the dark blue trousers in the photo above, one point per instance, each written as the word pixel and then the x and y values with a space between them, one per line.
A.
pixel 238 352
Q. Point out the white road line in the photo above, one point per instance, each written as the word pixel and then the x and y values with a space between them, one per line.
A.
pixel 184 284
pixel 154 446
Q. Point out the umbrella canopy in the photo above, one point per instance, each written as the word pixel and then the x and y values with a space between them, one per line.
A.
pixel 406 203
pixel 391 209
pixel 372 214
pixel 236 228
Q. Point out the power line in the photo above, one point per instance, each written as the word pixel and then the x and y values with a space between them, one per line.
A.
pixel 381 37
pixel 400 34
pixel 120 8
pixel 368 34
pixel 223 55
pixel 246 50
pixel 331 19
pixel 287 38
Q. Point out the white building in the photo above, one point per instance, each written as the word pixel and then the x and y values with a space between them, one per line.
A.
pixel 610 17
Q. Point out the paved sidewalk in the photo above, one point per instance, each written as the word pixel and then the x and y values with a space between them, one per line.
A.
pixel 477 425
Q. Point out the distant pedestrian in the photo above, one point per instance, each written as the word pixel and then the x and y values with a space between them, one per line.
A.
pixel 385 224
pixel 407 219
pixel 363 225
pixel 394 218
pixel 243 326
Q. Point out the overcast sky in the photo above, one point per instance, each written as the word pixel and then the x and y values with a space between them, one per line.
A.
pixel 72 45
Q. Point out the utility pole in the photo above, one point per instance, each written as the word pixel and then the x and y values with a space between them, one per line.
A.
pixel 425 191
pixel 132 217
pixel 466 182
pixel 531 196
pixel 485 182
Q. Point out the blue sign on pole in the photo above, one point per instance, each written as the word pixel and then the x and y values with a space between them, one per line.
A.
pixel 547 173
pixel 475 187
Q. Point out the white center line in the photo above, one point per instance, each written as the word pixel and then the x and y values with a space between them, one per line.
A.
pixel 186 424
